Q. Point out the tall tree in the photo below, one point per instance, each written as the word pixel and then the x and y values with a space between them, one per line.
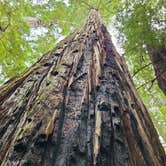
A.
pixel 143 24
pixel 77 106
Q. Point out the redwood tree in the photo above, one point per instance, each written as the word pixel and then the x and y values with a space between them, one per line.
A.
pixel 77 106
pixel 158 58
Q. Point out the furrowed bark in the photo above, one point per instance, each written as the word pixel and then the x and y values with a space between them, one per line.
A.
pixel 77 106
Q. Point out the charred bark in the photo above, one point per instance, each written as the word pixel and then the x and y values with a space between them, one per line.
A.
pixel 77 106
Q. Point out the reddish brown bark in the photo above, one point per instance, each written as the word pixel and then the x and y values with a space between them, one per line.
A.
pixel 77 106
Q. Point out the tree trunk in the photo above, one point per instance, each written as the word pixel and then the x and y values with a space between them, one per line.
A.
pixel 158 58
pixel 77 106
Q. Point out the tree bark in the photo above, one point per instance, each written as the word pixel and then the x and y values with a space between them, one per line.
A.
pixel 158 58
pixel 77 106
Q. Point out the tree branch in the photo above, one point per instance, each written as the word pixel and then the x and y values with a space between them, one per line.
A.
pixel 151 81
pixel 143 67
pixel 3 29
pixel 140 69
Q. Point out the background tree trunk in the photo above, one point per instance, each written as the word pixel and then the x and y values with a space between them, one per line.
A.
pixel 77 106
pixel 158 58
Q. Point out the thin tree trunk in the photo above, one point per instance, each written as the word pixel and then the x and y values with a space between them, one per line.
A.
pixel 77 106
